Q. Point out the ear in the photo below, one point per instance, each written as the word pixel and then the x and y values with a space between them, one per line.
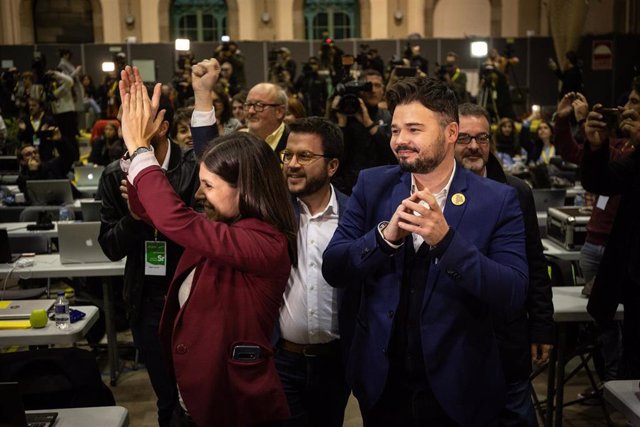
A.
pixel 163 129
pixel 451 132
pixel 332 167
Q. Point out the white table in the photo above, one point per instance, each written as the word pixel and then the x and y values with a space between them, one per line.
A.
pixel 48 266
pixel 50 334
pixel 101 416
pixel 556 251
pixel 19 229
pixel 569 306
pixel 625 397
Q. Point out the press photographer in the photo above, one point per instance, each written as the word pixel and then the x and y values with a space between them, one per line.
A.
pixel 453 76
pixel 313 87
pixel 365 126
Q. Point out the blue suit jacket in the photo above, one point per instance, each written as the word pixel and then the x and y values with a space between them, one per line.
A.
pixel 483 269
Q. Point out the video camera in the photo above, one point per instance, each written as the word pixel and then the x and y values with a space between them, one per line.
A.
pixel 441 71
pixel 349 89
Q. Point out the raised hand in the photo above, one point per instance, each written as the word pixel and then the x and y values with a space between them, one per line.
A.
pixel 139 124
pixel 204 76
pixel 595 128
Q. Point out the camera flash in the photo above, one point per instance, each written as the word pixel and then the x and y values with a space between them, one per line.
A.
pixel 107 67
pixel 183 44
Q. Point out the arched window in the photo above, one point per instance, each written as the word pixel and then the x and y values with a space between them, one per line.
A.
pixel 57 21
pixel 199 20
pixel 337 19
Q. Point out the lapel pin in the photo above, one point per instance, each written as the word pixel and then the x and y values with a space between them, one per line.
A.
pixel 458 199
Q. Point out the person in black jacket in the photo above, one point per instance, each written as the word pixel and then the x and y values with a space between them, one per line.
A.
pixel 527 335
pixel 32 167
pixel 123 234
pixel 618 277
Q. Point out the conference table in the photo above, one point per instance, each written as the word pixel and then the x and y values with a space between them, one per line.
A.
pixel 554 250
pixel 570 306
pixel 625 397
pixel 48 266
pixel 50 334
pixel 101 416
pixel 19 229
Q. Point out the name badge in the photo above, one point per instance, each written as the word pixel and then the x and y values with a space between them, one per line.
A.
pixel 602 202
pixel 155 258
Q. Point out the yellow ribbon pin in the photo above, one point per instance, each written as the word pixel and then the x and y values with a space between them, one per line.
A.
pixel 458 199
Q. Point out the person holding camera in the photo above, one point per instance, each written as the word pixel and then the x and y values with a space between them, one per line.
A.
pixel 618 277
pixel 365 127
pixel 313 88
pixel 454 77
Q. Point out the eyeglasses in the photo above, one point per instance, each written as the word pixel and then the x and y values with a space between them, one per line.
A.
pixel 481 138
pixel 258 106
pixel 304 157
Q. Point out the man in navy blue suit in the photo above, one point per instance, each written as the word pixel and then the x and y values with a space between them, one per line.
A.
pixel 434 250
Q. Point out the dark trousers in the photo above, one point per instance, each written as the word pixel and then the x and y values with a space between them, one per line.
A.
pixel 68 125
pixel 180 418
pixel 402 407
pixel 146 338
pixel 315 386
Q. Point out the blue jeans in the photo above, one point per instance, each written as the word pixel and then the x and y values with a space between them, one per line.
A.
pixel 147 339
pixel 518 410
pixel 316 388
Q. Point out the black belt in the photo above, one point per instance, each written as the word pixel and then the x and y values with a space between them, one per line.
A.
pixel 311 350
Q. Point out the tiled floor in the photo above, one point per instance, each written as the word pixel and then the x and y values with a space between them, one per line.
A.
pixel 134 392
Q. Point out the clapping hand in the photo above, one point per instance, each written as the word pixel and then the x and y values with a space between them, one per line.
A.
pixel 139 123
pixel 430 223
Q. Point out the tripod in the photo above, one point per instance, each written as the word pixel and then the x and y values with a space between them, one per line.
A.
pixel 488 96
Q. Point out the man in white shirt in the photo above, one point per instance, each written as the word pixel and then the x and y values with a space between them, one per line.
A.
pixel 308 355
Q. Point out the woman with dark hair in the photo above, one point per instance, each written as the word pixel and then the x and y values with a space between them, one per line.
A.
pixel 224 299
pixel 224 115
pixel 508 148
pixel 544 148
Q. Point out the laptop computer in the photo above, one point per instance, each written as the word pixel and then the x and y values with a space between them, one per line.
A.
pixel 12 409
pixel 78 243
pixel 9 165
pixel 548 198
pixel 87 176
pixel 49 192
pixel 91 210
pixel 21 309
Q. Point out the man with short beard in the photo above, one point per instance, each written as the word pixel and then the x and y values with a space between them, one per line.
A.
pixel 526 335
pixel 435 251
pixel 123 234
pixel 308 356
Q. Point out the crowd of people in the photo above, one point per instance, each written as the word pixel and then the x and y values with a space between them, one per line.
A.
pixel 335 232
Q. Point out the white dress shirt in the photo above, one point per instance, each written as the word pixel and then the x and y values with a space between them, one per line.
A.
pixel 441 198
pixel 309 314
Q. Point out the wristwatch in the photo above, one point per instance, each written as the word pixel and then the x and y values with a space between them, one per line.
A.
pixel 139 150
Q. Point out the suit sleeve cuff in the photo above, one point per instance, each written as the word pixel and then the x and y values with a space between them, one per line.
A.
pixel 386 246
pixel 203 118
pixel 438 250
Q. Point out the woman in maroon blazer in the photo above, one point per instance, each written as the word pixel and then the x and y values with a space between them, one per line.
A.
pixel 223 302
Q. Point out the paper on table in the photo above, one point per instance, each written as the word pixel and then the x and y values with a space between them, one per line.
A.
pixel 15 324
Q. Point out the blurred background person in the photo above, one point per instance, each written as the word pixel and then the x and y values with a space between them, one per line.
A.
pixel 313 88
pixel 295 110
pixel 224 116
pixel 180 132
pixel 570 74
pixel 107 147
pixel 237 107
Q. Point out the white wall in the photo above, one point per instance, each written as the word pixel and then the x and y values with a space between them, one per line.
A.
pixel 460 18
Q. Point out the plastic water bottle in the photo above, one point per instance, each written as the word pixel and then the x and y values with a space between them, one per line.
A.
pixel 61 310
pixel 65 214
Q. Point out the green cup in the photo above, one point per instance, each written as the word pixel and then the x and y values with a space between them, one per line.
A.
pixel 38 318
